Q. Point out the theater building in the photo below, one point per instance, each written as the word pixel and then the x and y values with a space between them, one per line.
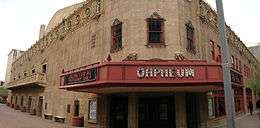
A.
pixel 132 64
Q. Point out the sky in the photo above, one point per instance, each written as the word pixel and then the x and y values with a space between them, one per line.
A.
pixel 20 22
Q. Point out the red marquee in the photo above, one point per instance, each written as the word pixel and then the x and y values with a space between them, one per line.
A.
pixel 143 74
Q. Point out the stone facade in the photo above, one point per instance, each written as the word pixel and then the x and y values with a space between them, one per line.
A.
pixel 84 37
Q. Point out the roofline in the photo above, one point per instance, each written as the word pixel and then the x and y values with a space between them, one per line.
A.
pixel 14 50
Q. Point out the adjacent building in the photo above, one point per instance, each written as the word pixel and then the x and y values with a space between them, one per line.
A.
pixel 12 56
pixel 255 50
pixel 132 64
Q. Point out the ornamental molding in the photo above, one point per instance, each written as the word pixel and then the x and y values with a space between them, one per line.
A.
pixel 90 10
pixel 209 16
pixel 155 15
pixel 116 22
pixel 131 57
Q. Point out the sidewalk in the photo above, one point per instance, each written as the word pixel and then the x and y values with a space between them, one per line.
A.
pixel 10 118
pixel 248 121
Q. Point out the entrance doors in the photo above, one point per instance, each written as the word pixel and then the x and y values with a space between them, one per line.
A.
pixel 40 103
pixel 192 111
pixel 156 112
pixel 21 101
pixel 118 112
pixel 29 103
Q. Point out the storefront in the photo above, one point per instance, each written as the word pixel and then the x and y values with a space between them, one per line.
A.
pixel 217 97
pixel 28 97
pixel 146 94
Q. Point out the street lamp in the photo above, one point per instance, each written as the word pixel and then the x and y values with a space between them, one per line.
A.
pixel 225 65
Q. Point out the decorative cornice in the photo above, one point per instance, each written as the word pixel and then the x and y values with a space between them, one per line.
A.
pixel 209 16
pixel 91 9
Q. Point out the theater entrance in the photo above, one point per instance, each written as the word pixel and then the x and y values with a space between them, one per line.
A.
pixel 118 111
pixel 192 110
pixel 156 111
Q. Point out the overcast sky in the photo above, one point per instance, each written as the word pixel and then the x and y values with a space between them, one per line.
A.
pixel 21 20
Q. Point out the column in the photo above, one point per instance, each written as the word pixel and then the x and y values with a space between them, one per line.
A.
pixel 180 109
pixel 253 100
pixel 102 118
pixel 132 111
pixel 245 99
pixel 203 109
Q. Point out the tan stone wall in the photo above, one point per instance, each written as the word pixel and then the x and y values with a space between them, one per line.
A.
pixel 73 49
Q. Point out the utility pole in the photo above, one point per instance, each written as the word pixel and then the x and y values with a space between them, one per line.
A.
pixel 225 65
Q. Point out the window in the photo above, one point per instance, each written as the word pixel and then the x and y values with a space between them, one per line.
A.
pixel 239 65
pixel 248 72
pixel 46 105
pixel 190 38
pixel 21 101
pixel 236 64
pixel 155 26
pixel 16 98
pixel 212 49
pixel 219 54
pixel 76 108
pixel 92 114
pixel 33 71
pixel 93 41
pixel 116 35
pixel 44 68
pixel 245 70
pixel 233 61
pixel 68 108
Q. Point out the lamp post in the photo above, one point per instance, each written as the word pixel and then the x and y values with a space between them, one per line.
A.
pixel 225 65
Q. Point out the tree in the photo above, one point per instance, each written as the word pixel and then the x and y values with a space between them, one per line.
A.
pixel 3 94
pixel 3 91
pixel 254 82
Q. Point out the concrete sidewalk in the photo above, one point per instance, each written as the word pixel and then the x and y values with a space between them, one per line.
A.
pixel 10 118
pixel 248 121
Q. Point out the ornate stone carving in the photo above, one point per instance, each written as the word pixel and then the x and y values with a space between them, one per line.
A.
pixel 155 15
pixel 98 6
pixel 77 19
pixel 179 57
pixel 87 12
pixel 116 22
pixel 132 56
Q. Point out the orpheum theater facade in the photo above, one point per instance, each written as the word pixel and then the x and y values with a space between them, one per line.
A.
pixel 132 64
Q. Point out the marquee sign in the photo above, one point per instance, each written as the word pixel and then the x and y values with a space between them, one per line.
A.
pixel 84 76
pixel 165 72
pixel 107 77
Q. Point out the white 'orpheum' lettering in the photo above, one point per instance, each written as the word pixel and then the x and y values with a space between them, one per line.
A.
pixel 165 73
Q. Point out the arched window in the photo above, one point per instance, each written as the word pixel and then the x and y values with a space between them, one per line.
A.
pixel 155 25
pixel 76 108
pixel 116 31
pixel 190 38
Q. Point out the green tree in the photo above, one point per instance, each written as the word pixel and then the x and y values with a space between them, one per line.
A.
pixel 3 91
pixel 254 82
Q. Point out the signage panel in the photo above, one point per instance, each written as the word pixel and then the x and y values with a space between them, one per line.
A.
pixel 81 77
